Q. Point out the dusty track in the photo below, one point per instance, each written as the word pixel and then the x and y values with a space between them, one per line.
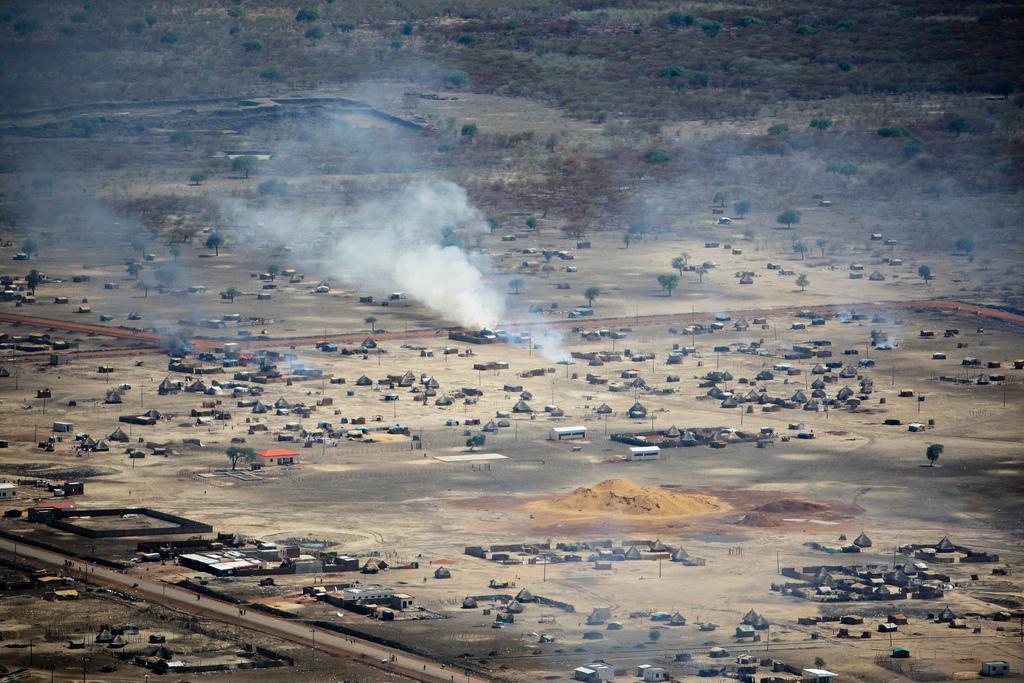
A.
pixel 209 343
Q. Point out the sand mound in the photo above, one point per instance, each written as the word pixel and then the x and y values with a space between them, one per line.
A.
pixel 758 519
pixel 792 505
pixel 623 497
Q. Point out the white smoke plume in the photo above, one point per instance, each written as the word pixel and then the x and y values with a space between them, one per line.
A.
pixel 396 243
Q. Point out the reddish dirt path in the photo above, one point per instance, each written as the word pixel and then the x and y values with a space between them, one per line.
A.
pixel 209 343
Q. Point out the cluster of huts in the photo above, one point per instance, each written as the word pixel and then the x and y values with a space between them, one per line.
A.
pixel 601 553
pixel 815 396
pixel 846 583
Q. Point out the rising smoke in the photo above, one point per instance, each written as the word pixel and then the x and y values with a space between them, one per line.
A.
pixel 395 243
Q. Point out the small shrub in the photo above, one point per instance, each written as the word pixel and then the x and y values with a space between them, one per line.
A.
pixel 468 130
pixel 750 21
pixel 314 33
pixel 136 26
pixel 252 46
pixel 457 78
pixel 711 27
pixel 914 147
pixel 893 132
pixel 150 20
pixel 180 137
pixel 658 156
pixel 468 39
pixel 844 66
pixel 307 15
pixel 25 27
pixel 804 29
pixel 68 31
pixel 270 74
pixel 672 71
pixel 345 26
pixel 79 18
pixel 273 188
pixel 169 37
pixel 678 19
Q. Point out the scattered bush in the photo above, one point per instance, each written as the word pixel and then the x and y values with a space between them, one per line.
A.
pixel 658 156
pixel 750 21
pixel 314 33
pixel 273 188
pixel 136 26
pixel 169 37
pixel 672 71
pixel 457 78
pixel 252 46
pixel 25 27
pixel 468 130
pixel 307 15
pixel 468 39
pixel 678 19
pixel 893 132
pixel 711 27
pixel 270 74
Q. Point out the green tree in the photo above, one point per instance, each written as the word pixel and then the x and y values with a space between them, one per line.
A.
pixel 789 218
pixel 668 282
pixel 821 244
pixel 166 277
pixel 802 281
pixel 245 164
pixel 215 241
pixel 627 238
pixel 457 78
pixel 821 124
pixel 468 130
pixel 679 263
pixel 653 635
pixel 800 248
pixel 933 453
pixel 236 453
pixel 197 178
pixel 819 662
pixel 230 293
pixel 672 71
pixel 134 268
pixel 314 33
pixel 848 170
pixel 721 197
pixel 150 20
pixel 175 251
pixel 33 280
pixel 701 271
pixel 139 244
pixel 169 37
pixel 24 27
pixel 273 270
pixel 591 293
pixel 307 15
pixel 924 272
pixel 965 245
pixel 30 247
pixel 474 442
pixel 371 320
pixel 532 223
pixel 956 125
pixel 893 132
pixel 516 285
pixel 1002 87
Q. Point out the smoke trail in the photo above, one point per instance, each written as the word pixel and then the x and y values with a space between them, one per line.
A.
pixel 396 243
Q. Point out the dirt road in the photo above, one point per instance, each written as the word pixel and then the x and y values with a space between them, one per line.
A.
pixel 209 343
pixel 385 658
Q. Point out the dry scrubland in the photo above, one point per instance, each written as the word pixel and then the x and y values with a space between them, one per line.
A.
pixel 634 126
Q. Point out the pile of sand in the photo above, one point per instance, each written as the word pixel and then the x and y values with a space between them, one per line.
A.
pixel 623 497
pixel 789 505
